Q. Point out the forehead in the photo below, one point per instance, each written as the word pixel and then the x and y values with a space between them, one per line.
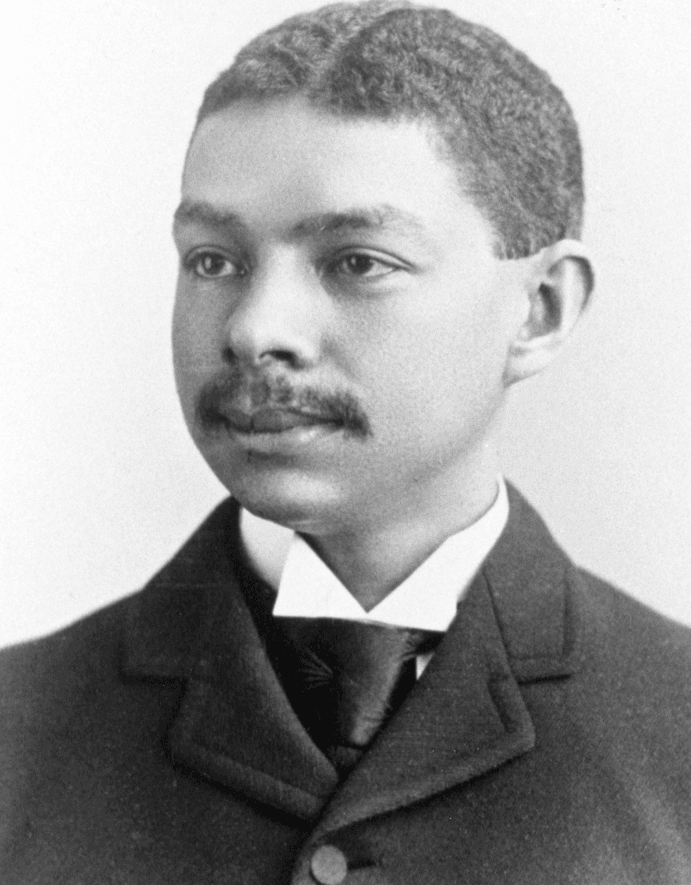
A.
pixel 289 160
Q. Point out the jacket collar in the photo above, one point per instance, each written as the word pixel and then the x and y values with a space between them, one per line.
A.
pixel 466 716
pixel 234 724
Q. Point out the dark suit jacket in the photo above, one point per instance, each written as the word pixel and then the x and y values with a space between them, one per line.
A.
pixel 548 742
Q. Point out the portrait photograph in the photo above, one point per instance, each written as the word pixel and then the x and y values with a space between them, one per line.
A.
pixel 334 334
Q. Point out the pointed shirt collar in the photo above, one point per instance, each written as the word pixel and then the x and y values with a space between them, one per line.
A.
pixel 426 600
pixel 521 620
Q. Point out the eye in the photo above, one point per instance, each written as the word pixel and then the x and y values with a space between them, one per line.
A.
pixel 212 265
pixel 362 265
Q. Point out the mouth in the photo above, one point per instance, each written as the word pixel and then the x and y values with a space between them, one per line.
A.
pixel 273 420
pixel 274 413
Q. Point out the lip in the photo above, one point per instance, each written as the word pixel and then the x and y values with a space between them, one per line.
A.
pixel 269 420
pixel 295 440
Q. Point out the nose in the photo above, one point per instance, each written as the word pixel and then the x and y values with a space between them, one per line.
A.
pixel 276 318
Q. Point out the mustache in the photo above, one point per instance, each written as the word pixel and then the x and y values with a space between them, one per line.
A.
pixel 236 390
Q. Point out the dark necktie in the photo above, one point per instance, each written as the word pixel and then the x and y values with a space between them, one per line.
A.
pixel 345 679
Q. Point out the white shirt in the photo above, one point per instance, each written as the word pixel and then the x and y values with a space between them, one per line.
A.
pixel 427 599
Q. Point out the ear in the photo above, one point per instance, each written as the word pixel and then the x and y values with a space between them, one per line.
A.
pixel 559 281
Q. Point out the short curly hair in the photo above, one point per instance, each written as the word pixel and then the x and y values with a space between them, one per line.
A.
pixel 503 123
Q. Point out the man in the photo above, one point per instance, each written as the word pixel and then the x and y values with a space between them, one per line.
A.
pixel 371 664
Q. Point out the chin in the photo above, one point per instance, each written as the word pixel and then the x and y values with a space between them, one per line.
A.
pixel 299 502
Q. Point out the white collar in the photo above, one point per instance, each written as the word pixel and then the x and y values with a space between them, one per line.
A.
pixel 427 599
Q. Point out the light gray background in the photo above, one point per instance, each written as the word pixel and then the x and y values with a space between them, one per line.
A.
pixel 100 483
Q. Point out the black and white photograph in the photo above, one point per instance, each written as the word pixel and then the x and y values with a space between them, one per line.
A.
pixel 346 443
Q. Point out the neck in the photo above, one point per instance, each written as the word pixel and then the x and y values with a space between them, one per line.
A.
pixel 373 559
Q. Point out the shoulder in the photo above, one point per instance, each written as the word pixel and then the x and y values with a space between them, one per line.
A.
pixel 623 715
pixel 34 673
pixel 625 628
pixel 611 619
pixel 634 652
pixel 90 651
pixel 628 666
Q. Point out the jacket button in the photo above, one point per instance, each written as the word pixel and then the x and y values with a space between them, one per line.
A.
pixel 329 865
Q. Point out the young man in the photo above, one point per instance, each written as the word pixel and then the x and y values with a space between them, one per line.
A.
pixel 371 664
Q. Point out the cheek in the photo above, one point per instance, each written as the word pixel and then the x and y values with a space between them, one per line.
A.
pixel 441 363
pixel 183 357
pixel 196 337
pixel 192 356
pixel 179 337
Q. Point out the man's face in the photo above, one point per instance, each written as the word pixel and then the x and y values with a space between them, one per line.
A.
pixel 341 321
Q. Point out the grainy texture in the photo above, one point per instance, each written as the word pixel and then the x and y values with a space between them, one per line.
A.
pixel 548 741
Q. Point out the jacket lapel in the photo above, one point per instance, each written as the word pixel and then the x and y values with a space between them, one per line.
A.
pixel 234 724
pixel 465 717
pixel 532 585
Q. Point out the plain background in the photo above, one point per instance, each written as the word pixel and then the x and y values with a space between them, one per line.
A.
pixel 100 483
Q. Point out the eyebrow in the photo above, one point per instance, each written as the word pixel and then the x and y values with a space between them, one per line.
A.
pixel 360 218
pixel 201 212
pixel 356 218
